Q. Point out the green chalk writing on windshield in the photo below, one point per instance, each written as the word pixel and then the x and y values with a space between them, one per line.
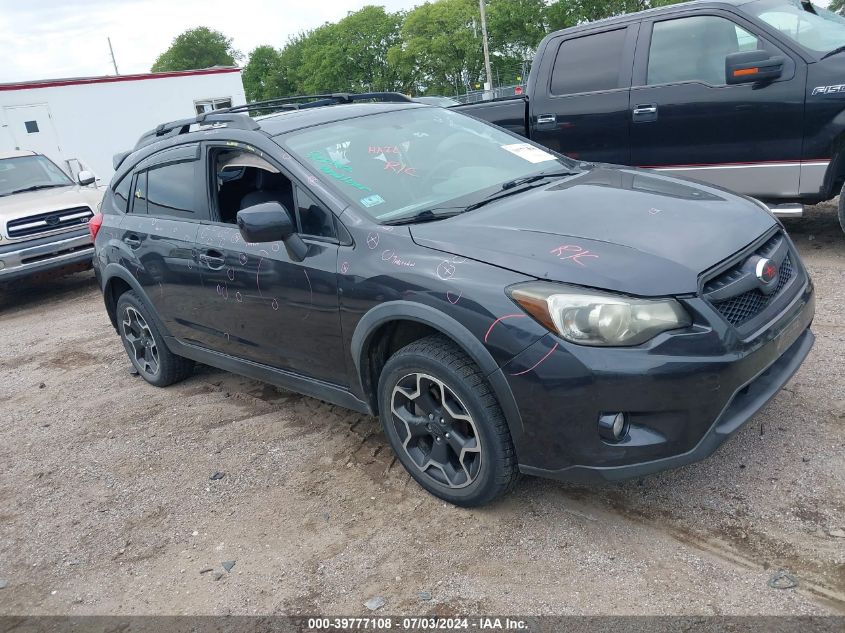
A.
pixel 328 166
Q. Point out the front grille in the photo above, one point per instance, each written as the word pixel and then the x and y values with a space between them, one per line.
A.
pixel 738 295
pixel 35 225
pixel 737 310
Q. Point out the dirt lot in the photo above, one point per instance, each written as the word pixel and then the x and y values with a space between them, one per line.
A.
pixel 107 506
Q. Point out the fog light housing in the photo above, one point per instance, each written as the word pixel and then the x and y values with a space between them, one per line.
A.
pixel 613 427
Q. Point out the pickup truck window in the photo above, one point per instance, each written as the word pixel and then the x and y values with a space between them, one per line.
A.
pixel 30 173
pixel 694 49
pixel 396 164
pixel 588 64
pixel 821 32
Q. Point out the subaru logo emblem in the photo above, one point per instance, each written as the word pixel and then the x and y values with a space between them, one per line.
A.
pixel 766 271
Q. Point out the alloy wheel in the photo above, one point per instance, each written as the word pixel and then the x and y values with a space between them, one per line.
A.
pixel 142 345
pixel 436 430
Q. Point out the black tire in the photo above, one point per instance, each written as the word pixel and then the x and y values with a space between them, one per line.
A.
pixel 148 354
pixel 472 419
pixel 842 207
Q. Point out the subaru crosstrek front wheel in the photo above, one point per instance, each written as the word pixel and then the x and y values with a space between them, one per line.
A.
pixel 445 424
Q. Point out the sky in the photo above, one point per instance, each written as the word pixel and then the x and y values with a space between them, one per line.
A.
pixel 49 39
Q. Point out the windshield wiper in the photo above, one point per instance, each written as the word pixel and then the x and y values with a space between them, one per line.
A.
pixel 510 187
pixel 835 51
pixel 510 184
pixel 34 188
pixel 426 215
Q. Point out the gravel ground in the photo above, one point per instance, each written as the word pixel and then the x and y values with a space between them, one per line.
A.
pixel 107 503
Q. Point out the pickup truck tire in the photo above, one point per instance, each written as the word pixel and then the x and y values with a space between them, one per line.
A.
pixel 842 207
pixel 444 423
pixel 145 345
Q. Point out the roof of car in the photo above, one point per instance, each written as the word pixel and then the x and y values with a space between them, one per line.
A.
pixel 17 153
pixel 670 8
pixel 283 122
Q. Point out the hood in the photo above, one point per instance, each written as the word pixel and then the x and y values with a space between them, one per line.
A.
pixel 618 229
pixel 21 205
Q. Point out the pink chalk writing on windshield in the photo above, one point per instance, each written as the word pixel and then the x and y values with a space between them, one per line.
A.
pixel 387 149
pixel 400 168
pixel 576 253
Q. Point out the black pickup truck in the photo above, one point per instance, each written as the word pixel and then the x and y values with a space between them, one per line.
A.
pixel 746 94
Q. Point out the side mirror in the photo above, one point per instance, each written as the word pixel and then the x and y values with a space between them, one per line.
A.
pixel 85 178
pixel 752 66
pixel 271 222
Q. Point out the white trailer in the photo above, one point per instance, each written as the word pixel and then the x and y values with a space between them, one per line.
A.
pixel 82 123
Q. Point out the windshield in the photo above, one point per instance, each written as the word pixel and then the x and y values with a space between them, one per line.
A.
pixel 397 164
pixel 30 172
pixel 820 32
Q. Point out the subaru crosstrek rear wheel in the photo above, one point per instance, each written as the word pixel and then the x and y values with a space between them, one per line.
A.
pixel 145 346
pixel 445 424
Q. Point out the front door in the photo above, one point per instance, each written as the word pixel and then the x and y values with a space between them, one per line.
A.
pixel 687 120
pixel 583 111
pixel 261 304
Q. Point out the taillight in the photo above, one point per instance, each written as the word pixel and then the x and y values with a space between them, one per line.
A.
pixel 94 225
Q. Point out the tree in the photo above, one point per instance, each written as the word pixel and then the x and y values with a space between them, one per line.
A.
pixel 262 73
pixel 352 55
pixel 441 47
pixel 197 48
pixel 838 6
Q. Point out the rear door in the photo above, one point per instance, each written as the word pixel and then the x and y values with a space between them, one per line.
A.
pixel 687 120
pixel 158 235
pixel 582 107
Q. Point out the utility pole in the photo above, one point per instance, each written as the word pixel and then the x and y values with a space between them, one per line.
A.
pixel 114 63
pixel 489 84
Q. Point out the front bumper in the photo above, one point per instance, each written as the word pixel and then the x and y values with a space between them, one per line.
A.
pixel 684 396
pixel 37 256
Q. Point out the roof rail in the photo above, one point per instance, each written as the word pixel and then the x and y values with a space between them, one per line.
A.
pixel 315 101
pixel 183 126
pixel 238 117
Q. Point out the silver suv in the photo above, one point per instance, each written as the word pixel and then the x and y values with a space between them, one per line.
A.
pixel 43 217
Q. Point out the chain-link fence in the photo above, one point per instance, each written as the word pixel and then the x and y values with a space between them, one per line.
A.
pixel 474 96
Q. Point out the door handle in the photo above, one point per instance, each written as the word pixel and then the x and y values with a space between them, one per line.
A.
pixel 213 259
pixel 645 112
pixel 132 240
pixel 546 120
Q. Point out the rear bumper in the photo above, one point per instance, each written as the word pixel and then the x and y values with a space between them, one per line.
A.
pixel 684 396
pixel 34 257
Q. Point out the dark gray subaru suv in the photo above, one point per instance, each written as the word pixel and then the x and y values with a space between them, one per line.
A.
pixel 502 308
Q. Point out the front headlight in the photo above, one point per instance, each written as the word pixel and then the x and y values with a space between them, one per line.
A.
pixel 590 317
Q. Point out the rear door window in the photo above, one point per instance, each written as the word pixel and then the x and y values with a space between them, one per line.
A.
pixel 589 64
pixel 171 190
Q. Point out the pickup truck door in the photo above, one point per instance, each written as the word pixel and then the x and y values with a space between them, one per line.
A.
pixel 686 120
pixel 580 105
